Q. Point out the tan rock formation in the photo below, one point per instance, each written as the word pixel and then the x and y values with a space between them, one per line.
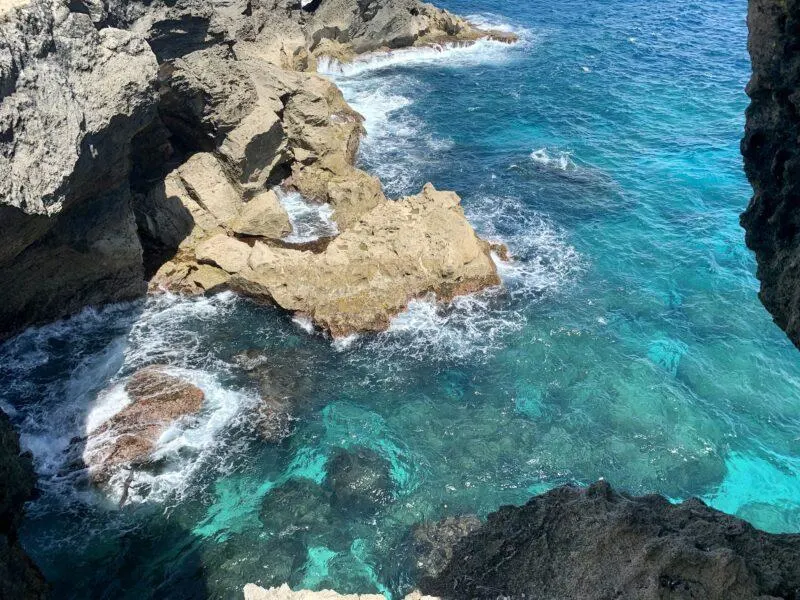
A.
pixel 397 251
pixel 158 399
pixel 262 216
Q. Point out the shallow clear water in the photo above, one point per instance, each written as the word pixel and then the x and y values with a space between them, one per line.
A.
pixel 627 341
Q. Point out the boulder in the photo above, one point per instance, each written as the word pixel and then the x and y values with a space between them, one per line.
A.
pixel 227 253
pixel 207 185
pixel 398 251
pixel 157 400
pixel 262 216
pixel 596 543
pixel 273 420
pixel 298 507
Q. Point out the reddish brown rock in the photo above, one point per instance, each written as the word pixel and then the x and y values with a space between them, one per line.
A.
pixel 158 399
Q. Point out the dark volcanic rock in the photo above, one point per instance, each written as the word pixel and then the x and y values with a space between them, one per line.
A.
pixel 433 543
pixel 19 576
pixel 772 157
pixel 596 543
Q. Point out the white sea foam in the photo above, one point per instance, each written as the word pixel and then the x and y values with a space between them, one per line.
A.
pixel 453 54
pixel 304 323
pixel 310 220
pixel 554 159
pixel 476 325
pixel 189 445
pixel 98 349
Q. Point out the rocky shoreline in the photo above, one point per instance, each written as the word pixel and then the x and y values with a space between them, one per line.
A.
pixel 143 141
pixel 144 147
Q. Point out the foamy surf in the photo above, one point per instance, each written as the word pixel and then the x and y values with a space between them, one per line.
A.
pixel 455 54
pixel 476 325
pixel 310 220
pixel 100 349
pixel 560 160
pixel 188 446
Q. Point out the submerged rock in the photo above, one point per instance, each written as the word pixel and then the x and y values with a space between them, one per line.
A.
pixel 360 481
pixel 596 543
pixel 273 420
pixel 772 158
pixel 298 506
pixel 157 401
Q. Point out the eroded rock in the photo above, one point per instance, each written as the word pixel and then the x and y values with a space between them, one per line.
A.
pixel 772 158
pixel 396 252
pixel 128 439
pixel 596 543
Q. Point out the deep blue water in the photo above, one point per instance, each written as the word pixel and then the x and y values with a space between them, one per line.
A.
pixel 627 341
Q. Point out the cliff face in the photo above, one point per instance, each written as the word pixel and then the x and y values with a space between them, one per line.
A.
pixel 19 577
pixel 101 99
pixel 772 157
pixel 597 543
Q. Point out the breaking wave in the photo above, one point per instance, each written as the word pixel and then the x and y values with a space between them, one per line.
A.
pixel 98 349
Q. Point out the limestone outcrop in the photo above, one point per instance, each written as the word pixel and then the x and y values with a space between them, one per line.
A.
pixel 398 251
pixel 772 158
pixel 19 576
pixel 106 103
pixel 596 543
pixel 73 97
pixel 128 439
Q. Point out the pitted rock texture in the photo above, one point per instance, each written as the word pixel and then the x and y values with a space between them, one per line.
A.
pixel 73 97
pixel 398 251
pixel 772 157
pixel 596 543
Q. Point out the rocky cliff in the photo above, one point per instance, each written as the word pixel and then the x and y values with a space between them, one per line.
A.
pixel 596 543
pixel 772 157
pixel 19 577
pixel 132 131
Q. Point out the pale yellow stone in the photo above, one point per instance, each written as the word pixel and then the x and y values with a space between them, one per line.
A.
pixel 396 252
pixel 207 185
pixel 225 252
pixel 264 216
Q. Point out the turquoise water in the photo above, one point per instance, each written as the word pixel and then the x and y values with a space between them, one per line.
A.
pixel 627 341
